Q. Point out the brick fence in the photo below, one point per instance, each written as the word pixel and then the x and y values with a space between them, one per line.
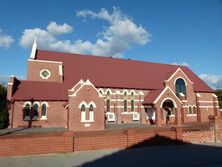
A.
pixel 11 145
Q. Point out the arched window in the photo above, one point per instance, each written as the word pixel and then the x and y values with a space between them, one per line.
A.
pixel 83 108
pixel 27 110
pixel 180 87
pixel 125 102
pixel 83 113
pixel 44 110
pixel 132 101
pixel 108 102
pixel 194 110
pixel 91 113
pixel 87 112
pixel 91 107
pixel 35 107
pixel 190 110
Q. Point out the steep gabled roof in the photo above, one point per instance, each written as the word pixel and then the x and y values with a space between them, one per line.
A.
pixel 117 73
pixel 40 90
pixel 151 96
pixel 103 72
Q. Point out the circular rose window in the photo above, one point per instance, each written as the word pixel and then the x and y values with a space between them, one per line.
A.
pixel 45 74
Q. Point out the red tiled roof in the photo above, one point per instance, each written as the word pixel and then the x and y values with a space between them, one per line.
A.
pixel 102 72
pixel 38 90
pixel 120 73
pixel 151 96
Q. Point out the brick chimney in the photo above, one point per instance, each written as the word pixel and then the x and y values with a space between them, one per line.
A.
pixel 13 83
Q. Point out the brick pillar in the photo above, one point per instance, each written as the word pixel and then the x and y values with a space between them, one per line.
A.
pixel 10 87
pixel 178 116
pixel 70 115
pixel 131 141
pixel 216 105
pixel 178 133
pixel 118 110
pixel 198 108
pixel 158 116
pixel 214 126
pixel 183 109
pixel 68 142
pixel 183 115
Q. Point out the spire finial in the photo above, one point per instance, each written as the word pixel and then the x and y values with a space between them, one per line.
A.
pixel 34 48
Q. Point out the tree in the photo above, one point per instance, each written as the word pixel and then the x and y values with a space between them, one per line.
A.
pixel 4 116
pixel 219 94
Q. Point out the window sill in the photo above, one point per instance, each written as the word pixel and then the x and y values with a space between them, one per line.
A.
pixel 128 112
pixel 36 118
pixel 27 118
pixel 111 120
pixel 87 121
pixel 191 115
pixel 33 119
pixel 43 118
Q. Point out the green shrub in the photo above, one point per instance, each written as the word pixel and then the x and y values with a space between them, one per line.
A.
pixel 4 116
pixel 219 94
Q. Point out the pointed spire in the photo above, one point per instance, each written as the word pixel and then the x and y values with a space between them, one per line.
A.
pixel 34 48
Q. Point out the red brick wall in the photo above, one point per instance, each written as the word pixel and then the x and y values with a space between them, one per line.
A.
pixel 189 87
pixel 34 68
pixel 117 103
pixel 87 94
pixel 118 139
pixel 202 136
pixel 67 142
pixel 191 118
pixel 206 108
pixel 36 144
pixel 109 139
pixel 191 99
pixel 100 140
pixel 56 115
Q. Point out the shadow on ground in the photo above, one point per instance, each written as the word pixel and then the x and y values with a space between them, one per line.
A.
pixel 167 153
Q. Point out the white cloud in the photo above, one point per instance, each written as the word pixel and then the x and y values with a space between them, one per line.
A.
pixel 121 34
pixel 102 14
pixel 56 29
pixel 214 81
pixel 181 64
pixel 5 40
pixel 44 38
pixel 78 46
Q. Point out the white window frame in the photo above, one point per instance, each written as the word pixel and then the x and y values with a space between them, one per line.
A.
pixel 83 113
pixel 192 110
pixel 36 117
pixel 26 118
pixel 136 116
pixel 44 117
pixel 113 119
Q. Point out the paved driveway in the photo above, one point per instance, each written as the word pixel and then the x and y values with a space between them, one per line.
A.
pixel 160 156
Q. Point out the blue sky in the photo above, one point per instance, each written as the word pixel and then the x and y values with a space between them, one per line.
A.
pixel 185 32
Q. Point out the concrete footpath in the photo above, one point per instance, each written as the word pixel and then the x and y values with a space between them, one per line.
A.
pixel 208 155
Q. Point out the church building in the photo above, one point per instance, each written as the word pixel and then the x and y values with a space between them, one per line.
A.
pixel 84 93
